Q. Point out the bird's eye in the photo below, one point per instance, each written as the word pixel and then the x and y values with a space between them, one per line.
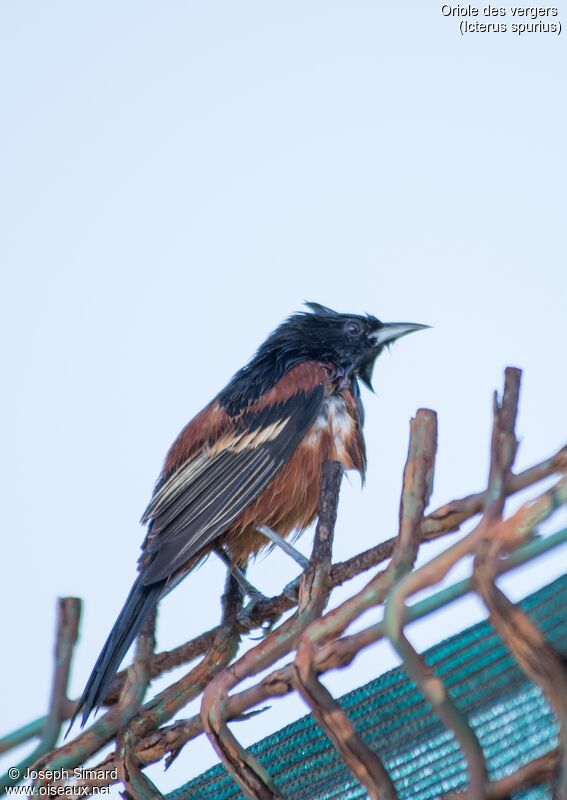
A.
pixel 353 328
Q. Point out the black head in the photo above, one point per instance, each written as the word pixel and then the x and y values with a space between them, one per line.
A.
pixel 349 342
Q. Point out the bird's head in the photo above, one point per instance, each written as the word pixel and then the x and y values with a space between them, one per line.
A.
pixel 349 341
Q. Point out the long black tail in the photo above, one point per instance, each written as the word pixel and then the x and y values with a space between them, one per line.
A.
pixel 140 603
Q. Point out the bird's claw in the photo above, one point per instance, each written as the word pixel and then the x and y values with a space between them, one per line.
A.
pixel 265 629
pixel 290 590
pixel 247 613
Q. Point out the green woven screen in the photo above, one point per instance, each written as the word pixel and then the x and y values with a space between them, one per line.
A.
pixel 509 714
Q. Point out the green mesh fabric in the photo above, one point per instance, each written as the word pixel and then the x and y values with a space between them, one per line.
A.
pixel 509 714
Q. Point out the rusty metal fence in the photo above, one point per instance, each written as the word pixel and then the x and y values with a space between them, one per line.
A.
pixel 510 716
pixel 484 713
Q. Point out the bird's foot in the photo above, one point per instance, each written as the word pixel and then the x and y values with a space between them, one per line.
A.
pixel 255 595
pixel 247 614
pixel 256 598
pixel 290 590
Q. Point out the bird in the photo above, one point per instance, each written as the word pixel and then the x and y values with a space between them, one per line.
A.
pixel 249 463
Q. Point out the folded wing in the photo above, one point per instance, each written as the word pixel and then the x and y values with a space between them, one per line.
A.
pixel 199 501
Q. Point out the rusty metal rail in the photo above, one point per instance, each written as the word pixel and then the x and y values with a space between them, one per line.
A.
pixel 317 641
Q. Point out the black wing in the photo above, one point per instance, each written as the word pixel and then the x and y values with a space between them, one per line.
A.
pixel 204 496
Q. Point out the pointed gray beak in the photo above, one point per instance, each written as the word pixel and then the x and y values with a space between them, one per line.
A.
pixel 390 331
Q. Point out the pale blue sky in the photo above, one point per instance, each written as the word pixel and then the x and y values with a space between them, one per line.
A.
pixel 176 178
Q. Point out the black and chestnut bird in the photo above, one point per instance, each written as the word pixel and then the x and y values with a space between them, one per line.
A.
pixel 251 460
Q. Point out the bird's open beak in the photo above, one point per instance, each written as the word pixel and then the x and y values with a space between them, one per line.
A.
pixel 390 331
